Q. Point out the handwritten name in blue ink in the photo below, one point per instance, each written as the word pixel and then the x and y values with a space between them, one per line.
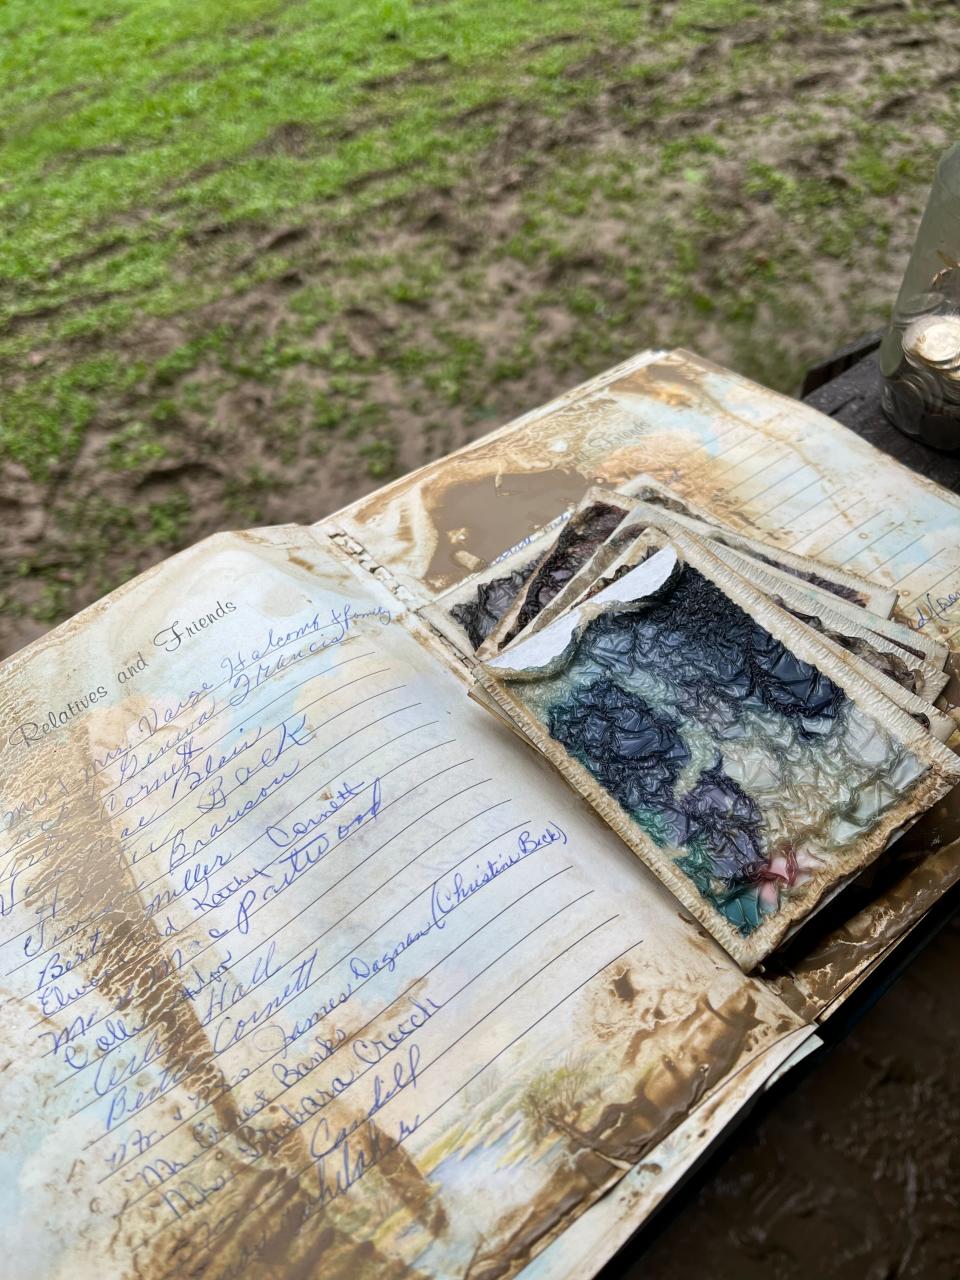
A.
pixel 934 607
pixel 451 891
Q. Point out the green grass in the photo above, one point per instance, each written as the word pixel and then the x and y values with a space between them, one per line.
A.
pixel 280 236
pixel 129 124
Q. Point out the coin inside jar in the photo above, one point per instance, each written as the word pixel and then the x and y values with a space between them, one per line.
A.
pixel 935 340
pixel 906 401
pixel 918 304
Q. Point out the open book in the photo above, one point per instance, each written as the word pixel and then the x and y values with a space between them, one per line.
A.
pixel 313 967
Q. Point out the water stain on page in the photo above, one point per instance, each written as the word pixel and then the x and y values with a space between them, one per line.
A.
pixel 672 381
pixel 496 512
pixel 131 968
pixel 437 522
pixel 688 1057
pixel 301 563
pixel 678 457
pixel 477 504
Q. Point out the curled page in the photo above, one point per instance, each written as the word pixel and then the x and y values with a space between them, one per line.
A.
pixel 545 652
pixel 747 761
pixel 847 586
pixel 588 527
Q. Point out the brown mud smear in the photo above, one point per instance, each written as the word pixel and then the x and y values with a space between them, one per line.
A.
pixel 624 1132
pixel 473 514
pixel 122 951
pixel 851 1175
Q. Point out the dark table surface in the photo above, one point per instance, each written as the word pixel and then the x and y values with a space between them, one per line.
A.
pixel 851 1167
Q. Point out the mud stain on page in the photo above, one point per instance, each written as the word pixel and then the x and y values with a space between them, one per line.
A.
pixel 683 1060
pixel 445 520
pixel 119 949
pixel 482 516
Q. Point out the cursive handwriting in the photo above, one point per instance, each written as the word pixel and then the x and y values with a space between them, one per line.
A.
pixel 933 607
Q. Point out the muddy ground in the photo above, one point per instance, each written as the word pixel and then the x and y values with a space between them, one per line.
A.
pixel 852 1173
pixel 744 179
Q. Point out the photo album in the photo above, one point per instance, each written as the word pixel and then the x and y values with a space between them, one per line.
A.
pixel 425 892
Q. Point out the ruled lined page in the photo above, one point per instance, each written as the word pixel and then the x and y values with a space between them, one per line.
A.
pixel 309 967
pixel 765 463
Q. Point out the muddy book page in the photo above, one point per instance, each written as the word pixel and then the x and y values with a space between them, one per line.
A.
pixel 309 965
pixel 767 466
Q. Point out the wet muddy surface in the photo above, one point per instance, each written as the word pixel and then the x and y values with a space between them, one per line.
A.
pixel 852 1171
pixel 745 186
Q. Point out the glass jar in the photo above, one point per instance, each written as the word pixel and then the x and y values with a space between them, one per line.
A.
pixel 920 353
